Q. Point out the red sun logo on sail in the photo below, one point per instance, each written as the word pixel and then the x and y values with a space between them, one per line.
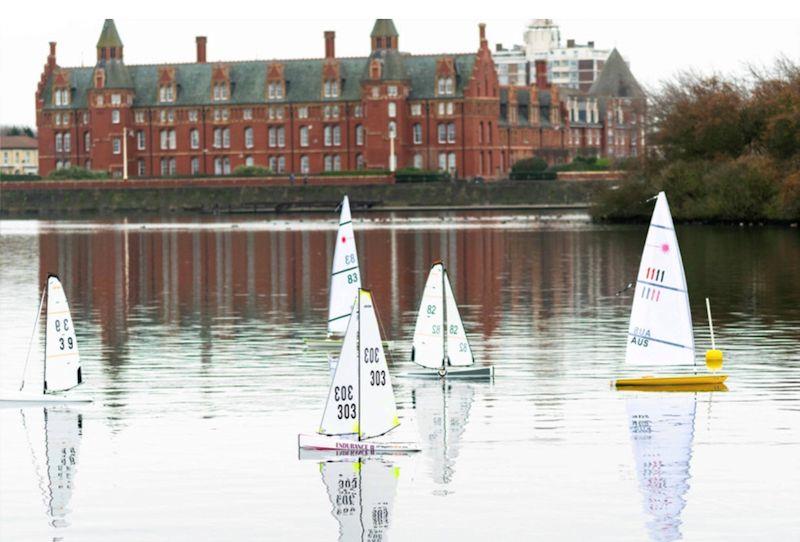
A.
pixel 344 239
pixel 664 248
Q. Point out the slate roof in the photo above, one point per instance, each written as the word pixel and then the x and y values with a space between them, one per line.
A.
pixel 382 28
pixel 523 96
pixel 248 79
pixel 109 37
pixel 616 79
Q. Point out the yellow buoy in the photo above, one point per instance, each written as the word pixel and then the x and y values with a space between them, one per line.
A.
pixel 714 360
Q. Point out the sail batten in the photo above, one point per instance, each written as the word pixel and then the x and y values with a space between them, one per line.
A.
pixel 660 331
pixel 345 273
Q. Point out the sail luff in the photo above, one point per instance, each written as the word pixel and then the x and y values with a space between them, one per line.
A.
pixel 342 405
pixel 33 335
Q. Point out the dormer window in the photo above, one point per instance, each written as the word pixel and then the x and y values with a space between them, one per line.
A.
pixel 116 99
pixel 275 90
pixel 221 91
pixel 61 96
pixel 166 93
pixel 446 86
pixel 331 88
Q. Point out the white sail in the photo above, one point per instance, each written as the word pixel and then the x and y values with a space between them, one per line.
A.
pixel 442 412
pixel 62 362
pixel 378 409
pixel 341 410
pixel 459 353
pixel 428 344
pixel 63 429
pixel 345 274
pixel 362 494
pixel 660 330
pixel 662 431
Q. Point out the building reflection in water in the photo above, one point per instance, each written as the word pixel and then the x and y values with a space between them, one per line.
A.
pixel 362 494
pixel 193 277
pixel 54 435
pixel 662 433
pixel 442 412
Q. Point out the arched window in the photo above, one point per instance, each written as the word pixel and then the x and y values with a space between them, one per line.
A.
pixel 248 137
pixel 392 109
pixel 87 141
pixel 417 133
pixel 304 136
pixel 392 128
pixel 304 164
pixel 451 132
pixel 359 134
pixel 449 86
pixel 418 161
pixel 360 161
pixel 337 163
pixel 451 162
pixel 248 161
pixel 194 138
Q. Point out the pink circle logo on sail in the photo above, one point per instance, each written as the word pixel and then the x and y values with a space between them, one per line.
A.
pixel 344 239
pixel 665 248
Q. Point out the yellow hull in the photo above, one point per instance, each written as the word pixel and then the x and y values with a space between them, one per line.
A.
pixel 678 383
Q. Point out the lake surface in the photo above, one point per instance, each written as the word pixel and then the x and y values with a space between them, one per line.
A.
pixel 192 337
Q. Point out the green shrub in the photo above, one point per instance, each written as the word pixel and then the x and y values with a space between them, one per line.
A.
pixel 529 165
pixel 252 171
pixel 354 173
pixel 76 173
pixel 19 177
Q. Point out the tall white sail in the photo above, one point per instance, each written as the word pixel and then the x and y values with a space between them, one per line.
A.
pixel 442 412
pixel 428 344
pixel 362 495
pixel 62 361
pixel 378 409
pixel 662 431
pixel 63 429
pixel 660 330
pixel 345 274
pixel 341 410
pixel 459 353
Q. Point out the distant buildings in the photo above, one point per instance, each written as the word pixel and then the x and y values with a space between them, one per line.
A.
pixel 448 112
pixel 572 65
pixel 19 155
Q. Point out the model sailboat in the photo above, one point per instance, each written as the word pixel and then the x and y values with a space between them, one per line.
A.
pixel 60 368
pixel 360 405
pixel 362 495
pixel 660 331
pixel 440 342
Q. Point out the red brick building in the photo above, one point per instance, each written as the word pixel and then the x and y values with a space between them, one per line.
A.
pixel 302 116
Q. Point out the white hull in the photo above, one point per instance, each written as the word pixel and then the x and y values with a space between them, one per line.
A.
pixel 15 399
pixel 474 373
pixel 314 446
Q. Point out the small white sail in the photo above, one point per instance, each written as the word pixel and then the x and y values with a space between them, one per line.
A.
pixel 362 495
pixel 63 429
pixel 459 354
pixel 345 274
pixel 378 409
pixel 442 412
pixel 341 410
pixel 428 344
pixel 62 369
pixel 660 331
pixel 662 431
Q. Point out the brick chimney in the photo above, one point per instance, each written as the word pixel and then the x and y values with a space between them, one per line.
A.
pixel 482 31
pixel 330 44
pixel 541 74
pixel 51 58
pixel 201 49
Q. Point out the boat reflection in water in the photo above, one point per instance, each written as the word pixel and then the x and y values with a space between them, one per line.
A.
pixel 662 432
pixel 54 435
pixel 442 410
pixel 362 494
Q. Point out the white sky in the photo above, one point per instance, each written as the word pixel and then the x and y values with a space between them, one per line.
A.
pixel 658 40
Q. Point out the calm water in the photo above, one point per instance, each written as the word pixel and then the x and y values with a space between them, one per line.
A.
pixel 192 339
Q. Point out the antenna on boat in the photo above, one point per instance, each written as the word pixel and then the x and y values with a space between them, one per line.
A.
pixel 713 356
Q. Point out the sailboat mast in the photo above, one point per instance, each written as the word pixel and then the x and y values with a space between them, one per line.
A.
pixel 33 334
pixel 444 324
pixel 46 298
pixel 358 357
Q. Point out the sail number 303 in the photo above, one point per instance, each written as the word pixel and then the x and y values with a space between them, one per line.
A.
pixel 345 411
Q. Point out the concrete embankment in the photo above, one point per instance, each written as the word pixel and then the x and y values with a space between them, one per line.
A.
pixel 69 198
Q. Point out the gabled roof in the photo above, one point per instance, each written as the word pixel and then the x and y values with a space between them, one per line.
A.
pixel 248 79
pixel 383 28
pixel 109 37
pixel 616 79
